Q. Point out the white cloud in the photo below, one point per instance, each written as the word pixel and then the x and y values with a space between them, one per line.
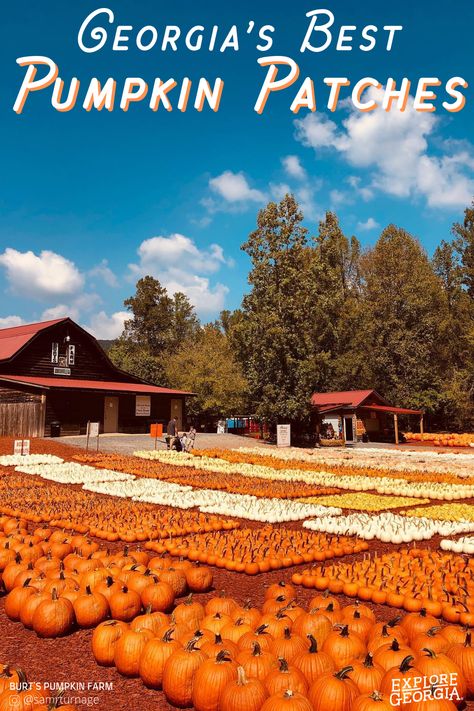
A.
pixel 10 321
pixel 40 276
pixel 180 265
pixel 103 272
pixel 362 191
pixel 293 167
pixel 338 197
pixel 394 146
pixel 177 251
pixel 60 311
pixel 234 188
pixel 369 224
pixel 107 327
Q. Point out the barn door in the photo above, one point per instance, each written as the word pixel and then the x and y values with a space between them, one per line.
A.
pixel 111 413
pixel 177 411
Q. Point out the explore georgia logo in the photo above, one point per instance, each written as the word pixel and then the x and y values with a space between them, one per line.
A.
pixel 407 690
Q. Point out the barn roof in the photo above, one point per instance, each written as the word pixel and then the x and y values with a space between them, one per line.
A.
pixel 345 398
pixel 101 385
pixel 14 339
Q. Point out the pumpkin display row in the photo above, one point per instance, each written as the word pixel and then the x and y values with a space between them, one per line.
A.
pixel 449 439
pixel 253 551
pixel 55 582
pixel 357 480
pixel 18 692
pixel 403 460
pixel 39 501
pixel 201 479
pixel 353 463
pixel 389 527
pixel 165 493
pixel 409 579
pixel 222 657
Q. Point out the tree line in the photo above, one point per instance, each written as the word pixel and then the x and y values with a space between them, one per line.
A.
pixel 320 314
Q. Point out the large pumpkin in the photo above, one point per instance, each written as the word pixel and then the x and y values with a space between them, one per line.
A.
pixel 287 700
pixel 53 617
pixel 286 676
pixel 153 658
pixel 367 675
pixel 344 646
pixel 463 656
pixel 128 650
pixel 313 663
pixel 178 674
pixel 210 680
pixel 430 664
pixel 334 691
pixel 256 663
pixel 243 694
pixel 104 638
pixel 91 608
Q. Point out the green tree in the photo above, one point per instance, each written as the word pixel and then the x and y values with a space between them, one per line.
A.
pixel 159 323
pixel 404 309
pixel 205 364
pixel 279 324
pixel 337 303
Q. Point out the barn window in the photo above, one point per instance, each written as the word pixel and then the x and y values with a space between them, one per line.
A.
pixel 71 355
pixel 54 352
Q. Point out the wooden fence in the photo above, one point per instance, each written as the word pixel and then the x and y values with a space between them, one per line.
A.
pixel 22 419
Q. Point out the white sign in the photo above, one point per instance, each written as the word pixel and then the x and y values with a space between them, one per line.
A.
pixel 22 447
pixel 283 435
pixel 142 406
pixel 94 429
pixel 62 371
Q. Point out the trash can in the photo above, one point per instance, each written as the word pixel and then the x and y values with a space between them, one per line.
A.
pixel 55 429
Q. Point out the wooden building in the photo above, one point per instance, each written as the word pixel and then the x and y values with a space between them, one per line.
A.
pixel 354 415
pixel 56 373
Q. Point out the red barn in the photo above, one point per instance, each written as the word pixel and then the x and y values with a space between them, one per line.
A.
pixel 56 372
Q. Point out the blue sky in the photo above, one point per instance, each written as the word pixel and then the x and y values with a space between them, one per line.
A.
pixel 92 200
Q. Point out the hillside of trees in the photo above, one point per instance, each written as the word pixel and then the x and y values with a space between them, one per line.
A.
pixel 320 314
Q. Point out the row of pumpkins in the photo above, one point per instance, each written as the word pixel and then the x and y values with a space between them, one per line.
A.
pixel 55 582
pixel 225 657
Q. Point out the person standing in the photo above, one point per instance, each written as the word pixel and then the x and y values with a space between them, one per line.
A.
pixel 171 431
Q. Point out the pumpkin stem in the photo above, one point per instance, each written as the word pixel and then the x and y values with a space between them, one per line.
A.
pixel 241 678
pixel 287 633
pixel 313 648
pixel 395 647
pixel 288 694
pixel 345 631
pixel 429 652
pixel 168 635
pixel 342 673
pixel 369 660
pixel 467 642
pixel 406 664
pixel 223 656
pixel 256 649
pixel 283 664
pixel 88 590
pixel 376 696
pixel 217 638
pixel 261 630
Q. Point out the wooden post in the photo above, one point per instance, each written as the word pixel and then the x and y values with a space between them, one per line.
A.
pixel 421 426
pixel 395 422
pixel 42 422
